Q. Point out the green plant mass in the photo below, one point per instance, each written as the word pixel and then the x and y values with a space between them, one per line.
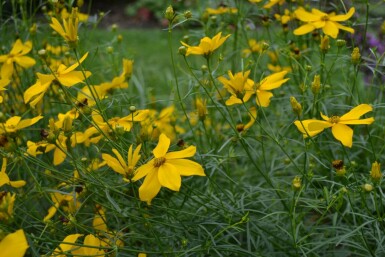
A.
pixel 229 128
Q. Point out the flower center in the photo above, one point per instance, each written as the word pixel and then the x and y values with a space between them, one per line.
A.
pixel 325 18
pixel 159 161
pixel 334 119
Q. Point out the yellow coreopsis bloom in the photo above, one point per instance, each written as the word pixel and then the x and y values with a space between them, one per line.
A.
pixel 329 23
pixel 4 179
pixel 66 76
pixel 340 130
pixel 14 244
pixel 15 123
pixel 166 169
pixel 119 165
pixel 69 30
pixel 270 82
pixel 16 56
pixel 206 46
pixel 239 86
pixel 66 201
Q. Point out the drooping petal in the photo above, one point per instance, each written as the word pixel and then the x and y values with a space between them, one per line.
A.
pixel 169 177
pixel 343 133
pixel 25 61
pixel 304 29
pixel 348 29
pixel 356 112
pixel 28 122
pixel 51 212
pixel 17 183
pixel 67 245
pixel 14 244
pixel 73 78
pixel 187 167
pixel 233 100
pixel 161 149
pixel 330 29
pixel 150 187
pixel 185 153
pixel 75 65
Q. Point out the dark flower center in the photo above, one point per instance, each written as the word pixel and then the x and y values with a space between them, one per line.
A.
pixel 159 161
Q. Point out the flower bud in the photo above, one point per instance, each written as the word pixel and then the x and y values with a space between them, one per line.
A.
pixel 110 49
pixel 67 124
pixel 316 84
pixel 119 38
pixel 182 50
pixel 375 172
pixel 297 107
pixel 132 108
pixel 325 44
pixel 187 15
pixel 341 42
pixel 367 187
pixel 114 27
pixel 170 14
pixel 356 56
pixel 296 183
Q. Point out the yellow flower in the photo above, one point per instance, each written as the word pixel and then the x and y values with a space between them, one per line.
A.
pixel 119 165
pixel 206 46
pixel 70 30
pixel 4 179
pixel 14 244
pixel 239 86
pixel 15 123
pixel 16 56
pixel 317 20
pixel 166 169
pixel 3 83
pixel 66 76
pixel 340 130
pixel 270 82
pixel 254 47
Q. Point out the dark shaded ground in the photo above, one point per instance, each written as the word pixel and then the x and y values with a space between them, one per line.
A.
pixel 115 13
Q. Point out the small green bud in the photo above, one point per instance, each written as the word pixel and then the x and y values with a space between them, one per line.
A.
pixel 316 84
pixel 296 106
pixel 356 56
pixel 187 15
pixel 170 14
pixel 341 42
pixel 182 50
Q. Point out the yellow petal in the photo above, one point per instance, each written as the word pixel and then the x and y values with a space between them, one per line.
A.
pixel 343 133
pixel 14 244
pixel 17 184
pixel 161 149
pixel 304 29
pixel 28 122
pixel 305 16
pixel 367 121
pixel 150 187
pixel 144 170
pixel 356 112
pixel 169 177
pixel 185 153
pixel 319 125
pixel 187 167
pixel 263 98
pixel 67 244
pixel 330 29
pixel 303 127
pixel 113 163
pixel 343 17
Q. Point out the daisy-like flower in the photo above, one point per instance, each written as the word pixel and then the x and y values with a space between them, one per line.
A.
pixel 166 169
pixel 119 165
pixel 338 124
pixel 239 86
pixel 15 123
pixel 16 56
pixel 14 244
pixel 329 23
pixel 4 179
pixel 206 46
pixel 270 82
pixel 69 30
pixel 66 76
